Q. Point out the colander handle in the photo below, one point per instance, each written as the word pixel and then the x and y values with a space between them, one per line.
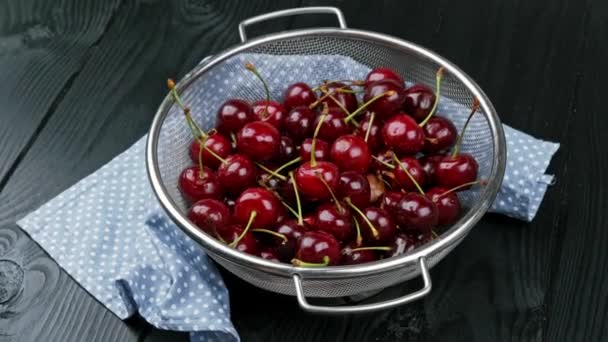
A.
pixel 366 307
pixel 290 12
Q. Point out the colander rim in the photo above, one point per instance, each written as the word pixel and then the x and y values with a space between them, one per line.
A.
pixel 454 235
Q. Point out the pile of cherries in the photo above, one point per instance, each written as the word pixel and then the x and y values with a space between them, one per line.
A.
pixel 321 179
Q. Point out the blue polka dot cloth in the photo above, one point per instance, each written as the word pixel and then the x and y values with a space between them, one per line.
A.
pixel 111 235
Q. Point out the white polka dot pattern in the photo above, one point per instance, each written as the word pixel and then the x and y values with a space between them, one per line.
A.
pixel 109 232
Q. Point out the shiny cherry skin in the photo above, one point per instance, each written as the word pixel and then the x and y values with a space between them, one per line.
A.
pixel 270 112
pixel 298 94
pixel 388 105
pixel 351 256
pixel 237 174
pixel 269 254
pixel 298 123
pixel 390 201
pixel 374 138
pixel 259 141
pixel 233 115
pixel 286 249
pixel 350 153
pixel 308 179
pixel 248 243
pixel 333 125
pixel 454 171
pixel 429 164
pixel 321 150
pixel 418 102
pixel 382 73
pixel 217 143
pixel 314 246
pixel 209 214
pixel 383 222
pixel 356 187
pixel 416 171
pixel 440 134
pixel 416 214
pixel 347 100
pixel 448 205
pixel 335 221
pixel 265 203
pixel 287 150
pixel 402 134
pixel 196 185
pixel 402 244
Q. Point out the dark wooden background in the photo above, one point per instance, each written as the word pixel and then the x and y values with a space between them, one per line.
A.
pixel 80 81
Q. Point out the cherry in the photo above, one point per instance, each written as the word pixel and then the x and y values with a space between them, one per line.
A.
pixel 356 187
pixel 333 126
pixel 351 153
pixel 416 213
pixel 217 143
pixel 402 244
pixel 209 214
pixel 321 150
pixel 239 238
pixel 292 231
pixel 382 73
pixel 299 123
pixel 429 164
pixel 287 149
pixel 403 135
pixel 383 223
pixel 271 112
pixel 237 173
pixel 233 115
pixel 448 205
pixel 453 171
pixel 369 129
pixel 440 134
pixel 317 248
pixel 415 170
pixel 341 93
pixel 419 100
pixel 311 179
pixel 259 141
pixel 335 220
pixel 269 254
pixel 298 94
pixel 352 255
pixel 382 161
pixel 259 200
pixel 390 201
pixel 386 105
pixel 196 184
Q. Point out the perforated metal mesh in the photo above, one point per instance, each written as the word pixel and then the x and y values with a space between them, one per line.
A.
pixel 312 59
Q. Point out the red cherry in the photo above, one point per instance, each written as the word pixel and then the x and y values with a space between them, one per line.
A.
pixel 298 94
pixel 356 187
pixel 351 153
pixel 321 150
pixel 335 221
pixel 269 254
pixel 317 247
pixel 429 164
pixel 416 171
pixel 448 205
pixel 209 214
pixel 286 249
pixel 333 125
pixel 217 143
pixel 248 244
pixel 237 173
pixel 351 255
pixel 233 115
pixel 383 223
pixel 299 123
pixel 390 201
pixel 266 205
pixel 416 213
pixel 374 138
pixel 382 73
pixel 196 185
pixel 287 150
pixel 387 105
pixel 308 179
pixel 440 134
pixel 380 160
pixel 454 171
pixel 419 100
pixel 403 244
pixel 347 100
pixel 259 141
pixel 270 112
pixel 403 135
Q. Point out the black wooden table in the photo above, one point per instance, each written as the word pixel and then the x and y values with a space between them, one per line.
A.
pixel 80 81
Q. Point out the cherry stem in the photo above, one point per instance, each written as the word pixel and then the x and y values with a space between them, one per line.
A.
pixel 331 193
pixel 363 106
pixel 369 125
pixel 359 239
pixel 390 166
pixel 249 66
pixel 372 248
pixel 300 263
pixel 288 164
pixel 474 109
pixel 201 147
pixel 363 216
pixel 271 172
pixel 313 158
pixel 404 169
pixel 267 231
pixel 298 203
pixel 434 234
pixel 238 239
pixel 438 77
pixel 329 94
pixel 330 82
pixel 291 210
pixel 456 188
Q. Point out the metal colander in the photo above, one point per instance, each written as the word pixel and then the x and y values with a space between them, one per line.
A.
pixel 315 54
